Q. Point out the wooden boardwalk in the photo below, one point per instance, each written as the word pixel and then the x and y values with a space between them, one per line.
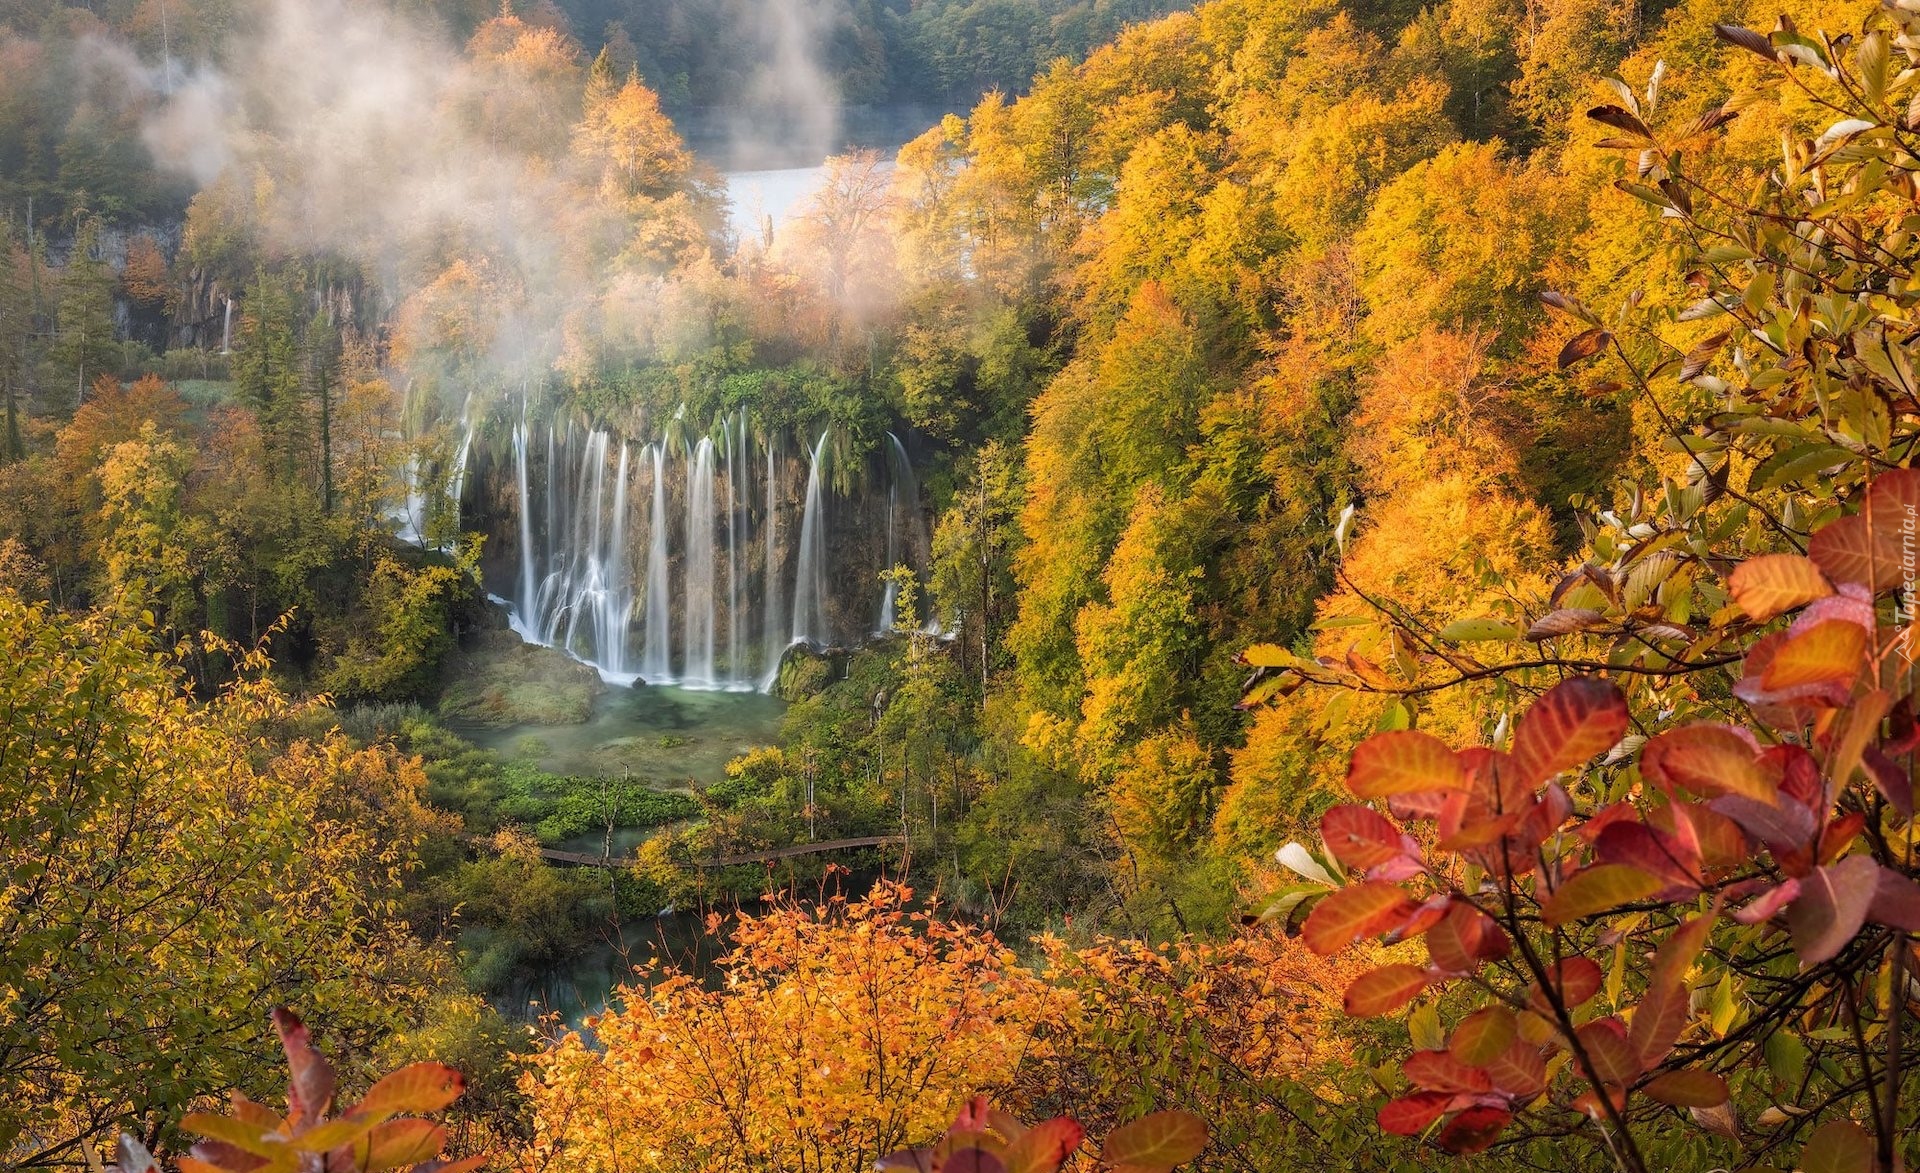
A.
pixel 580 859
pixel 804 849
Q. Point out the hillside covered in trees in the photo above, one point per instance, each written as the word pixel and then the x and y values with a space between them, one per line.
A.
pixel 1298 584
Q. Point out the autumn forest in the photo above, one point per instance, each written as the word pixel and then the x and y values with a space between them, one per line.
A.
pixel 966 586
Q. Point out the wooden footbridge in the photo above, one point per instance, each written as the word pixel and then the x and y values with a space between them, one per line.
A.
pixel 580 859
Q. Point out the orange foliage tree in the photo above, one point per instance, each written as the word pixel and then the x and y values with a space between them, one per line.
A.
pixel 1677 873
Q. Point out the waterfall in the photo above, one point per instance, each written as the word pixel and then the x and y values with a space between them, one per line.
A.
pixel 657 661
pixel 906 535
pixel 552 495
pixel 734 659
pixel 226 330
pixel 457 482
pixel 412 520
pixel 616 597
pixel 810 576
pixel 891 588
pixel 699 600
pixel 772 627
pixel 526 601
pixel 633 586
pixel 582 582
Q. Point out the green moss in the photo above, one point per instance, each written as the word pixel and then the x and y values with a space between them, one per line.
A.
pixel 502 681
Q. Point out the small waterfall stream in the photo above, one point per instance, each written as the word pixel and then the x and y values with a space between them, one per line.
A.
pixel 698 601
pixel 658 662
pixel 810 574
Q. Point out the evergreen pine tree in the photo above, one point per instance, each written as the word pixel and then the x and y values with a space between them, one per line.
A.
pixel 84 346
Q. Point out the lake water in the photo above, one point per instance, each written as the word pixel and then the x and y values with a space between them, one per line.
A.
pixel 768 177
pixel 761 201
pixel 667 737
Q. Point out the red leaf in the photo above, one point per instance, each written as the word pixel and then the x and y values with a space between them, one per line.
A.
pixel 1838 1146
pixel 1576 979
pixel 1384 990
pixel 1689 1088
pixel 1781 825
pixel 1428 914
pixel 1483 1036
pixel 1896 902
pixel 1414 1114
pixel 1360 837
pixel 1890 780
pixel 1597 889
pixel 1606 1045
pixel 1832 906
pixel 1584 345
pixel 1640 846
pixel 972 1160
pixel 1868 547
pixel 1441 1071
pixel 973 1116
pixel 1359 910
pixel 1405 761
pixel 1770 903
pixel 1662 1015
pixel 1774 584
pixel 1465 939
pixel 1044 1147
pixel 1825 653
pixel 310 1086
pixel 1474 1130
pixel 1158 1141
pixel 1707 760
pixel 1520 1070
pixel 1575 721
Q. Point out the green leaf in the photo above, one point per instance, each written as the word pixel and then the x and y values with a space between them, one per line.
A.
pixel 1786 1057
pixel 1789 465
pixel 1423 1027
pixel 1479 630
pixel 1338 621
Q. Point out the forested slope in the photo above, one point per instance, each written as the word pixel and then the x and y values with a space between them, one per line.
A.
pixel 1282 374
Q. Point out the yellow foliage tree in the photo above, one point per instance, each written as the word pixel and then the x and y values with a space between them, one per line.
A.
pixel 159 885
pixel 839 1035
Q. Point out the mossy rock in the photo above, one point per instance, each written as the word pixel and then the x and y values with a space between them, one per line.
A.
pixel 499 680
pixel 805 672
